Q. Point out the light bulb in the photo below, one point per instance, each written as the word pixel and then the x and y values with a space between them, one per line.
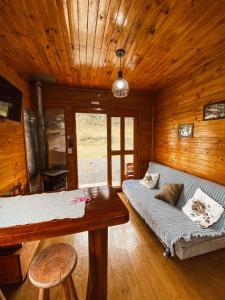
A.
pixel 120 84
pixel 120 88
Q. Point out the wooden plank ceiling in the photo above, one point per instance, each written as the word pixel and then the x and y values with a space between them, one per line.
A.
pixel 75 40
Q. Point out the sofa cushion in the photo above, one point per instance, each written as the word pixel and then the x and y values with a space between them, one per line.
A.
pixel 170 193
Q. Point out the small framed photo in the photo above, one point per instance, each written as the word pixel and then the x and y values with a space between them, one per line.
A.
pixel 214 111
pixel 185 130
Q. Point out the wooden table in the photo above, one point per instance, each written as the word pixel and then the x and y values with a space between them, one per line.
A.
pixel 106 209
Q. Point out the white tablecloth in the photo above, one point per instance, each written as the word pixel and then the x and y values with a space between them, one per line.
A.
pixel 21 210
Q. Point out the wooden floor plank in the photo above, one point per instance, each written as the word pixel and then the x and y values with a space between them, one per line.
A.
pixel 138 270
pixel 118 274
pixel 112 290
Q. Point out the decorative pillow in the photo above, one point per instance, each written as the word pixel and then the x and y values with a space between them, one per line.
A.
pixel 170 193
pixel 202 209
pixel 150 180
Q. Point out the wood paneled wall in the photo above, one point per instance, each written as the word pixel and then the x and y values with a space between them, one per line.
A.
pixel 12 148
pixel 204 154
pixel 80 100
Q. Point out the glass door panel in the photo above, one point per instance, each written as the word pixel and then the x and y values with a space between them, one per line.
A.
pixel 128 159
pixel 115 133
pixel 129 133
pixel 116 173
pixel 56 140
pixel 91 134
pixel 129 166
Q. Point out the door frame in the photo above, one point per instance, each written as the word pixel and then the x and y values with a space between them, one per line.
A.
pixel 109 113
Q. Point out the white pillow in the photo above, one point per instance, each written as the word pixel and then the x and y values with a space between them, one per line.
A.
pixel 150 180
pixel 203 210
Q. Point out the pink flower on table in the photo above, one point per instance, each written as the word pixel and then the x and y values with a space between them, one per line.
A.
pixel 80 199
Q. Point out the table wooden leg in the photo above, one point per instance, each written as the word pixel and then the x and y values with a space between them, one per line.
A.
pixel 98 263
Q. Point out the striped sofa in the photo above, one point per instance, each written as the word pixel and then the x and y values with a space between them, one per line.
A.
pixel 174 229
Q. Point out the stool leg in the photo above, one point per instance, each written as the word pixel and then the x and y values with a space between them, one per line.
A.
pixel 43 294
pixel 65 290
pixel 73 293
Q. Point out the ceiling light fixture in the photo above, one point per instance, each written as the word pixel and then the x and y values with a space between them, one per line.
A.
pixel 120 87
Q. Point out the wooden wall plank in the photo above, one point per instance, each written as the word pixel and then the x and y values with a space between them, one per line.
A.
pixel 204 154
pixel 12 145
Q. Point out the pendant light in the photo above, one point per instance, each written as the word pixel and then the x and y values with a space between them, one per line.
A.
pixel 120 87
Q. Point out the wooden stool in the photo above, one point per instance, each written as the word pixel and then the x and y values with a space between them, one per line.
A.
pixel 53 266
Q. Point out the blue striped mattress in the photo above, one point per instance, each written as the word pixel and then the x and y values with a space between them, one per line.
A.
pixel 169 222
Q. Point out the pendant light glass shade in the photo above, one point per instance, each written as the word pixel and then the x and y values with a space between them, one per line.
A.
pixel 120 87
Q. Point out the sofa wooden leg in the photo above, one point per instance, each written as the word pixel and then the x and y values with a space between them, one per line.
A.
pixel 167 253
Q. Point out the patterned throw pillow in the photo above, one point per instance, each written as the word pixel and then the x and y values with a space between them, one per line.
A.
pixel 150 180
pixel 203 210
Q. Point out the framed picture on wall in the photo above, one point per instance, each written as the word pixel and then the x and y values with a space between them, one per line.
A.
pixel 185 130
pixel 214 111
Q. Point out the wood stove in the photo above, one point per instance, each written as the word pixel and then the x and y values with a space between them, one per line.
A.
pixel 54 180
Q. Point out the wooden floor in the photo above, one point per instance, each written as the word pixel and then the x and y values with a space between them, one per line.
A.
pixel 138 270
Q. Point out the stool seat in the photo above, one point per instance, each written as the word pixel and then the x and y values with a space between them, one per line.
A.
pixel 53 265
